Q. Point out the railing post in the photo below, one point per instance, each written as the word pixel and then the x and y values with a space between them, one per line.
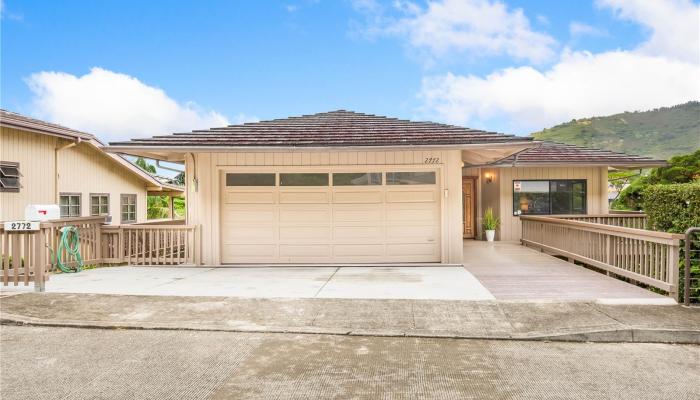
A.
pixel 98 243
pixel 672 265
pixel 39 261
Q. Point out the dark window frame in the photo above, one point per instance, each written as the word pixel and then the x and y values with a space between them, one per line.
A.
pixel 121 208
pixel 69 205
pixel 549 195
pixel 99 214
pixel 4 178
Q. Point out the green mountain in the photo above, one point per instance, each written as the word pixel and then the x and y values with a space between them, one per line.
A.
pixel 660 133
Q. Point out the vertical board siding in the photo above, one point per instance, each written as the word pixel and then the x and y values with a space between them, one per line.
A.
pixel 35 155
pixel 499 194
pixel 81 169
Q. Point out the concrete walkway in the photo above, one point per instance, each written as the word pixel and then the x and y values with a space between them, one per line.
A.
pixel 440 283
pixel 570 321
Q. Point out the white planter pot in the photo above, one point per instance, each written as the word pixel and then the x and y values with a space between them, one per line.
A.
pixel 490 235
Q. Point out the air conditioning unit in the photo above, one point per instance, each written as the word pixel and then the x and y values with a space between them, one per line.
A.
pixel 41 212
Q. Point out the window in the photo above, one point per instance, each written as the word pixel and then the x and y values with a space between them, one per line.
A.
pixel 250 179
pixel 9 176
pixel 69 204
pixel 99 204
pixel 410 178
pixel 128 209
pixel 357 179
pixel 308 179
pixel 549 197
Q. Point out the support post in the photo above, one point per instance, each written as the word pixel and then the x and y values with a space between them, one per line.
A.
pixel 672 265
pixel 39 261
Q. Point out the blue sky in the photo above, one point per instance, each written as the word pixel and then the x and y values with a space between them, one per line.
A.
pixel 121 69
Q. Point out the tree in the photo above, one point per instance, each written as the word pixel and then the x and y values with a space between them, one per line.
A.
pixel 681 169
pixel 141 162
pixel 179 179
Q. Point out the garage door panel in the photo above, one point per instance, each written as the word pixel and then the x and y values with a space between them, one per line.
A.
pixel 403 216
pixel 261 215
pixel 411 196
pixel 358 197
pixel 304 234
pixel 297 215
pixel 404 233
pixel 249 234
pixel 411 249
pixel 304 197
pixel 358 215
pixel 352 250
pixel 361 234
pixel 267 197
pixel 234 251
pixel 305 250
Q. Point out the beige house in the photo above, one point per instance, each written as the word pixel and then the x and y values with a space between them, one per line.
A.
pixel 344 187
pixel 43 163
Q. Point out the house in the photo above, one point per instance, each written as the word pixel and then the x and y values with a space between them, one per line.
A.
pixel 43 163
pixel 345 187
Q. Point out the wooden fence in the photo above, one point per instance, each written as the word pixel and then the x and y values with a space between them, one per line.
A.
pixel 627 220
pixel 29 256
pixel 644 256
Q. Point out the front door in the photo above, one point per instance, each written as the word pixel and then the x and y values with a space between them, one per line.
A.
pixel 468 201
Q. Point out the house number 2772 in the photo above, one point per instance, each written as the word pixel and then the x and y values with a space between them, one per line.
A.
pixel 432 160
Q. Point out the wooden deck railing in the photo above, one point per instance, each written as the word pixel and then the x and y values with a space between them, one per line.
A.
pixel 644 256
pixel 150 244
pixel 29 256
pixel 627 220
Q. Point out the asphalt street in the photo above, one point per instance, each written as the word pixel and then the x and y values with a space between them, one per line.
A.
pixel 71 363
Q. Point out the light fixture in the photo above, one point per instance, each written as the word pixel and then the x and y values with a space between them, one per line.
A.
pixel 489 177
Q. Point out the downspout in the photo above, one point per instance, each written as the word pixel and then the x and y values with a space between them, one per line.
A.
pixel 56 174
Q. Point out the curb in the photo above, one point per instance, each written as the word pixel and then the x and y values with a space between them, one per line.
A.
pixel 618 335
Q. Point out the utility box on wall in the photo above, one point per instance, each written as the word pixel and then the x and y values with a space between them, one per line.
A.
pixel 41 212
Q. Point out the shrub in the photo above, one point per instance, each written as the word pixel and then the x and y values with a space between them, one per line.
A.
pixel 672 208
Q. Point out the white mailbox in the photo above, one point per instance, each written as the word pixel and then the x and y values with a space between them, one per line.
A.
pixel 41 212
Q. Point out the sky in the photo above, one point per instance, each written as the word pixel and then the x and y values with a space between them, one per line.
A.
pixel 124 69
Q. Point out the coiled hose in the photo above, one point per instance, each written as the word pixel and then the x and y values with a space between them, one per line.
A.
pixel 70 245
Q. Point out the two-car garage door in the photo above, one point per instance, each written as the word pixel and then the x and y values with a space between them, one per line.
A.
pixel 331 216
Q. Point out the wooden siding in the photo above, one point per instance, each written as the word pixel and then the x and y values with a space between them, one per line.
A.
pixel 81 169
pixel 499 193
pixel 35 155
pixel 203 170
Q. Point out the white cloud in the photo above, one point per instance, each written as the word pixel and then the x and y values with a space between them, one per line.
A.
pixel 580 29
pixel 487 27
pixel 114 106
pixel 674 25
pixel 580 84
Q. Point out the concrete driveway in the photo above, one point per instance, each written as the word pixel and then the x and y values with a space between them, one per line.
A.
pixel 438 283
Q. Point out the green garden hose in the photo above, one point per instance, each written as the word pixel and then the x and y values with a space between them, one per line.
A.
pixel 70 242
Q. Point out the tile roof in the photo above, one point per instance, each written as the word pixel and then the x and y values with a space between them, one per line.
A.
pixel 551 153
pixel 330 129
pixel 19 121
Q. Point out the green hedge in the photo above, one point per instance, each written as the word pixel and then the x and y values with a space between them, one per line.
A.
pixel 672 208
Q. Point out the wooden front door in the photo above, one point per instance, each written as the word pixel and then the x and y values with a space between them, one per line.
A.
pixel 468 207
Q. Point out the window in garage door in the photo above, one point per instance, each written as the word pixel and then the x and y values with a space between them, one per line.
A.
pixel 304 179
pixel 410 178
pixel 357 178
pixel 244 179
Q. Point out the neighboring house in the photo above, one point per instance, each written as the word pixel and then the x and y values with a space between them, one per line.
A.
pixel 43 163
pixel 345 187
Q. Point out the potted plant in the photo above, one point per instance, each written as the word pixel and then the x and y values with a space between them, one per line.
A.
pixel 490 223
